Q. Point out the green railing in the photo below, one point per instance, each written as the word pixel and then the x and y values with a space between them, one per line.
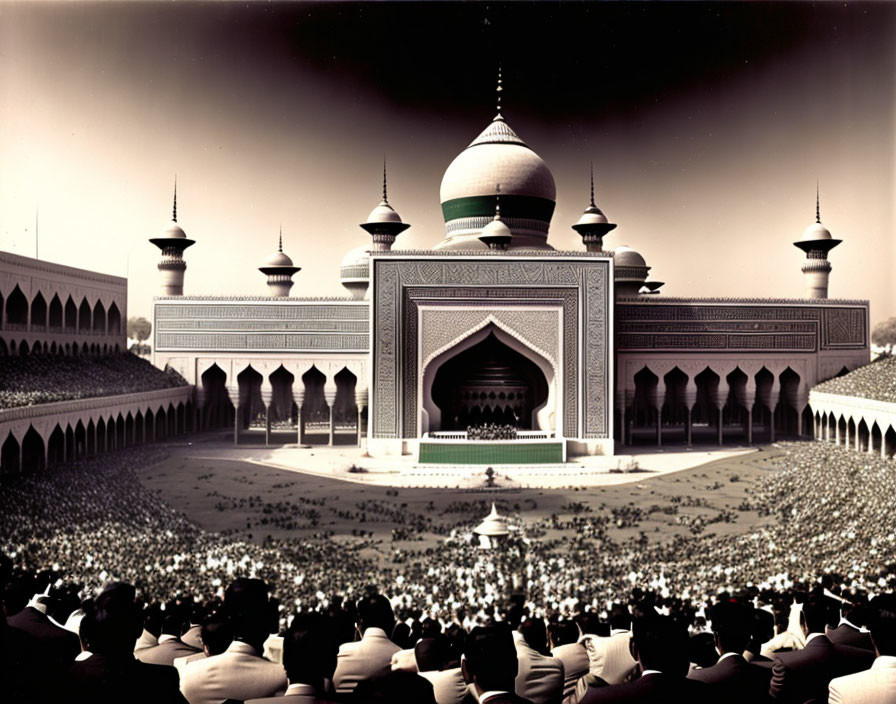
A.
pixel 491 452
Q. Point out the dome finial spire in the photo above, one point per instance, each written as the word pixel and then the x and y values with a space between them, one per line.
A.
pixel 498 91
pixel 592 185
pixel 385 192
pixel 280 243
pixel 174 208
pixel 817 204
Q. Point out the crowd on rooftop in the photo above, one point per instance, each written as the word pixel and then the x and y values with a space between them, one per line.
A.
pixel 876 381
pixel 32 379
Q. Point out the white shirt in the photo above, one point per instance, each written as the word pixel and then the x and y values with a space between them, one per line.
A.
pixel 727 655
pixel 299 688
pixel 491 693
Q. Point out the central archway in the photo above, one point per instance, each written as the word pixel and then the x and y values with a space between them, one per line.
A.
pixel 489 377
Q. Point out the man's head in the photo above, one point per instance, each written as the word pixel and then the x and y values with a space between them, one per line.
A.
pixel 659 643
pixel 375 611
pixel 490 660
pixel 216 634
pixel 431 654
pixel 535 634
pixel 732 624
pixel 249 611
pixel 111 627
pixel 881 615
pixel 563 633
pixel 814 613
pixel 304 653
pixel 620 617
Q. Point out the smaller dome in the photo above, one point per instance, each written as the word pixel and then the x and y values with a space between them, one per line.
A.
pixel 626 256
pixel 493 525
pixel 383 213
pixel 815 231
pixel 278 259
pixel 359 256
pixel 172 230
pixel 592 216
pixel 496 228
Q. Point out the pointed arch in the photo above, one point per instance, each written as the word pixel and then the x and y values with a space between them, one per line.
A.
pixel 114 318
pixel 17 310
pixel 39 313
pixel 55 317
pixel 99 318
pixel 33 451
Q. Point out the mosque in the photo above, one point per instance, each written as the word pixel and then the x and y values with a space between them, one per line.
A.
pixel 494 347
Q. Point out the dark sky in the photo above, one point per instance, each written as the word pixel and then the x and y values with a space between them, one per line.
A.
pixel 708 125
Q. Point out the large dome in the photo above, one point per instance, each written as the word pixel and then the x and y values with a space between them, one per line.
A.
pixel 354 271
pixel 497 159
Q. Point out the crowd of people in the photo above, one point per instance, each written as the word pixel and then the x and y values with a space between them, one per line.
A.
pixel 876 381
pixel 491 431
pixel 32 379
pixel 825 523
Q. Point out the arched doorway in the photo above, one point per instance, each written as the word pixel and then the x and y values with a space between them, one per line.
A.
pixel 39 313
pixel 488 378
pixel 33 455
pixel 56 447
pixel 217 408
pixel 55 318
pixel 16 310
pixel 315 414
pixel 345 410
pixel 9 455
pixel 283 412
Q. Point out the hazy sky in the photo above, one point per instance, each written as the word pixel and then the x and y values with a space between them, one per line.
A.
pixel 708 126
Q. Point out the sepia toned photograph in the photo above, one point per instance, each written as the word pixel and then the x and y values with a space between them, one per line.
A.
pixel 447 352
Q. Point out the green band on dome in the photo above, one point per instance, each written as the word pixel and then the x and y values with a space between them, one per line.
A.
pixel 527 207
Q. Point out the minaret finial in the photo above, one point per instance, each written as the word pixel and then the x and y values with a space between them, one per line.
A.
pixel 174 209
pixel 385 193
pixel 280 245
pixel 817 204
pixel 592 185
pixel 499 90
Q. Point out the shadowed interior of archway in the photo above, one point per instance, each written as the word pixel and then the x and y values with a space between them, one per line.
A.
pixel 489 383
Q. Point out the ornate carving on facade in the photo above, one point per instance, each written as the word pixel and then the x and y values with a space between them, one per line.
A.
pixel 468 279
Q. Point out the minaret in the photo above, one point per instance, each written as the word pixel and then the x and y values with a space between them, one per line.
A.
pixel 496 235
pixel 279 270
pixel 172 240
pixel 593 225
pixel 383 223
pixel 816 242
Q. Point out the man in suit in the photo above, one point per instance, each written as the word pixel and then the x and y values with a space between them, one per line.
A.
pixel 169 646
pixel 877 684
pixel 572 654
pixel 110 628
pixel 732 678
pixel 490 665
pixel 610 656
pixel 240 672
pixel 431 655
pixel 847 632
pixel 539 677
pixel 659 644
pixel 216 636
pixel 57 647
pixel 304 660
pixel 372 655
pixel 801 675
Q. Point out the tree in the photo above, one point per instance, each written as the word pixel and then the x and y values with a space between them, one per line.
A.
pixel 139 329
pixel 884 334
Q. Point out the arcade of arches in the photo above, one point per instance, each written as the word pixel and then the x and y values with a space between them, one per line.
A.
pixel 67 443
pixel 709 407
pixel 56 327
pixel 311 410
